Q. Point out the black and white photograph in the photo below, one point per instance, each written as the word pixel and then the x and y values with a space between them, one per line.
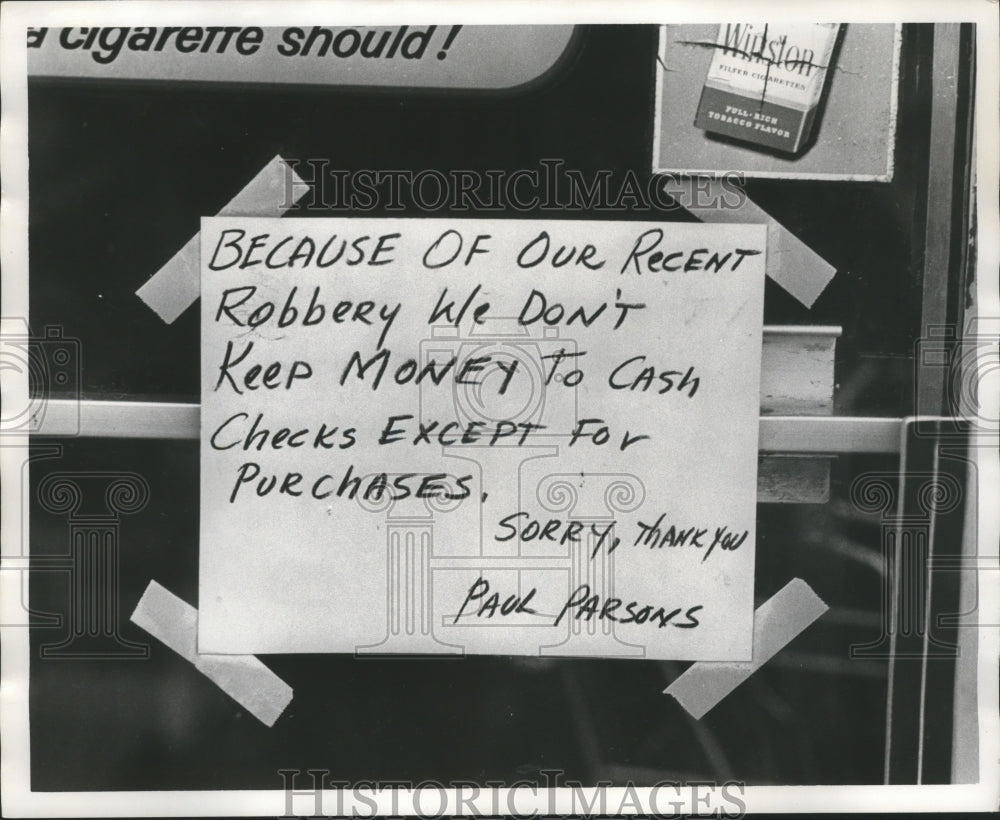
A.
pixel 432 408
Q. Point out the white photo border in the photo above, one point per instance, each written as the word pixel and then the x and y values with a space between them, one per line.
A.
pixel 16 17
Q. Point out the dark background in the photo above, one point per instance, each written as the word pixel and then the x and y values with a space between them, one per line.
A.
pixel 119 175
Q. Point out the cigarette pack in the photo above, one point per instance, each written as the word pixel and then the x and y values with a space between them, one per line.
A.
pixel 766 83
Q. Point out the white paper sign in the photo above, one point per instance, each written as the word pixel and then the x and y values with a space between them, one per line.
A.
pixel 484 436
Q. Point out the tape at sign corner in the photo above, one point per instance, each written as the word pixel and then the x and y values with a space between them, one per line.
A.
pixel 176 286
pixel 243 677
pixel 775 623
pixel 790 262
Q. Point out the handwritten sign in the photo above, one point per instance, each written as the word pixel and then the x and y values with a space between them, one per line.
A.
pixel 482 436
pixel 404 56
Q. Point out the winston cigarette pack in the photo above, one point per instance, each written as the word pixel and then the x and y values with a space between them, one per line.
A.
pixel 766 82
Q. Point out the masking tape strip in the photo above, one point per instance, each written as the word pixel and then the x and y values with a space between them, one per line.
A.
pixel 177 285
pixel 790 262
pixel 775 622
pixel 244 678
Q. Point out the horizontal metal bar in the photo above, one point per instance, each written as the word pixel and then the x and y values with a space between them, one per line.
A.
pixel 162 420
pixel 829 434
pixel 119 419
pixel 830 331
